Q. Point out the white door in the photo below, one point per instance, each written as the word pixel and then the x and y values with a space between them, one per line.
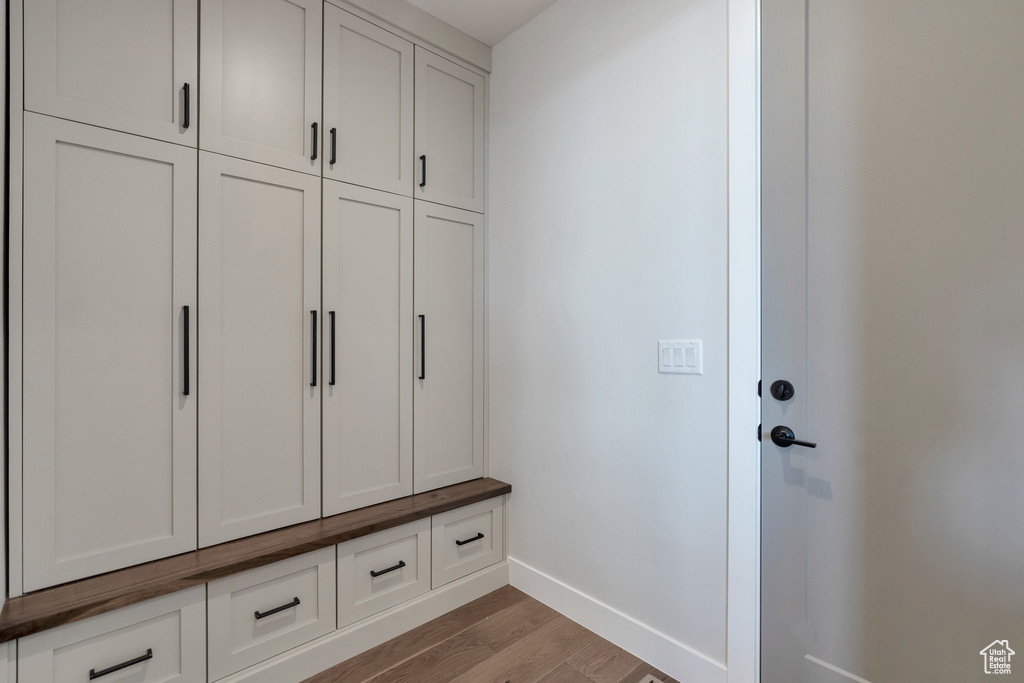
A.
pixel 260 67
pixel 367 405
pixel 449 133
pixel 109 373
pixel 368 104
pixel 448 395
pixel 259 284
pixel 893 231
pixel 122 64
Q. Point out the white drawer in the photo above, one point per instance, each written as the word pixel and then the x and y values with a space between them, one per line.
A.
pixel 467 539
pixel 165 637
pixel 382 570
pixel 263 612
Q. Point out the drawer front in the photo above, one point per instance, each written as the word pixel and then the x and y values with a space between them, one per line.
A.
pixel 382 570
pixel 158 641
pixel 467 539
pixel 263 612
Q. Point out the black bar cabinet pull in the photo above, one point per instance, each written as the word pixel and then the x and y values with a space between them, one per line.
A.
pixel 470 540
pixel 312 379
pixel 184 310
pixel 423 347
pixel 315 144
pixel 93 673
pixel 331 314
pixel 334 145
pixel 382 572
pixel 294 603
pixel 423 170
pixel 188 108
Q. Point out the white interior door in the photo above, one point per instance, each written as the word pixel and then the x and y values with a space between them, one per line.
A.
pixel 893 163
pixel 449 132
pixel 259 283
pixel 261 73
pixel 448 393
pixel 109 388
pixel 368 104
pixel 367 405
pixel 122 64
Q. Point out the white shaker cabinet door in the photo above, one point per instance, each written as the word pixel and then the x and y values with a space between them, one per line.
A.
pixel 259 284
pixel 109 352
pixel 367 406
pixel 449 133
pixel 122 64
pixel 448 393
pixel 261 72
pixel 368 104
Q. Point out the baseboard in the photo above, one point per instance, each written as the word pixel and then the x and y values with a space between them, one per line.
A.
pixel 321 654
pixel 658 649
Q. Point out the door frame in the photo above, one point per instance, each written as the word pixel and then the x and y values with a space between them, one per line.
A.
pixel 743 608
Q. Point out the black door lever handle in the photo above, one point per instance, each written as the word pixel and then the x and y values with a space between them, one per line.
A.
pixel 784 437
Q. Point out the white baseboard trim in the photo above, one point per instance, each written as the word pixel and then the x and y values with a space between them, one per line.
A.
pixel 654 647
pixel 307 660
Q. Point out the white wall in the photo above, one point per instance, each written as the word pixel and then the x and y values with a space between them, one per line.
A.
pixel 608 231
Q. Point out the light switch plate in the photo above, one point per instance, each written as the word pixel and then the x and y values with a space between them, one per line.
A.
pixel 680 357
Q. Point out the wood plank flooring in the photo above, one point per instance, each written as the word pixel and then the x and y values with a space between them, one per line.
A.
pixel 504 637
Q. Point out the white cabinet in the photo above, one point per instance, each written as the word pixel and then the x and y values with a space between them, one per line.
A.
pixel 157 641
pixel 109 406
pixel 261 77
pixel 368 104
pixel 466 539
pixel 449 132
pixel 121 64
pixel 382 570
pixel 263 612
pixel 448 393
pixel 367 338
pixel 259 288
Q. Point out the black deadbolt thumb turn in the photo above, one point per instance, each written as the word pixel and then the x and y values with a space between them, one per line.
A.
pixel 782 390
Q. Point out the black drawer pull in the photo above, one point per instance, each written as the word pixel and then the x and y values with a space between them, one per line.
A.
pixel 334 146
pixel 312 157
pixel 423 170
pixel 312 365
pixel 382 572
pixel 184 312
pixel 470 540
pixel 188 107
pixel 93 673
pixel 294 603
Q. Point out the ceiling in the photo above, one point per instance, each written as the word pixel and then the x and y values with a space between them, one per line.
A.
pixel 489 21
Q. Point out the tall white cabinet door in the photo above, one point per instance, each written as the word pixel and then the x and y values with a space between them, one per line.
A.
pixel 449 132
pixel 122 64
pixel 109 375
pixel 448 394
pixel 259 285
pixel 367 405
pixel 261 72
pixel 368 104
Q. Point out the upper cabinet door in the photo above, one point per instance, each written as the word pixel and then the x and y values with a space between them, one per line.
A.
pixel 260 69
pixel 121 64
pixel 367 407
pixel 448 394
pixel 449 133
pixel 259 284
pixel 109 373
pixel 368 104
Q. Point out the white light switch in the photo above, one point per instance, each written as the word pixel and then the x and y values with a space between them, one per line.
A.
pixel 680 356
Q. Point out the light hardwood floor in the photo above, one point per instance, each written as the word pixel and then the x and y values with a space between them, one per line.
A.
pixel 504 637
